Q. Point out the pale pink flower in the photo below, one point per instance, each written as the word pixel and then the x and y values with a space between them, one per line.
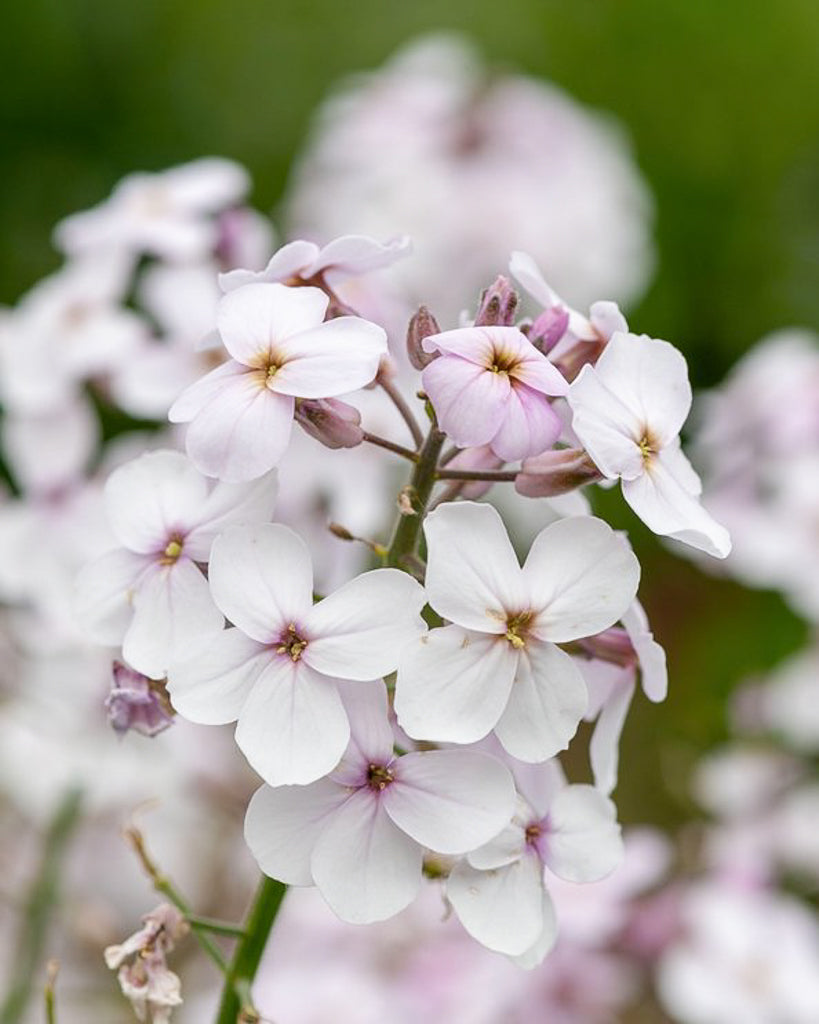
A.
pixel 241 413
pixel 490 386
pixel 277 672
pixel 628 410
pixel 150 594
pixel 360 834
pixel 498 665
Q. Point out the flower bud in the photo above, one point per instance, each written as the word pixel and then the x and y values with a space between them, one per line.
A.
pixel 549 328
pixel 137 702
pixel 422 325
pixel 498 305
pixel 330 421
pixel 612 645
pixel 555 472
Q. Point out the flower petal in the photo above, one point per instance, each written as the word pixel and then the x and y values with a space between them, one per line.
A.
pixel 605 742
pixel 608 429
pixel 530 425
pixel 583 843
pixel 195 397
pixel 254 319
pixel 470 401
pixel 536 953
pixel 104 595
pixel 371 735
pixel 453 685
pixel 338 356
pixel 231 505
pixel 364 866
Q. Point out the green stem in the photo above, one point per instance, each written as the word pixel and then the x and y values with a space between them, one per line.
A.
pixel 208 924
pixel 42 898
pixel 486 476
pixel 245 963
pixel 418 493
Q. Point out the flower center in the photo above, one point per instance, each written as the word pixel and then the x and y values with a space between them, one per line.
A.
pixel 291 643
pixel 173 549
pixel 379 777
pixel 516 629
pixel 533 833
pixel 502 362
pixel 648 446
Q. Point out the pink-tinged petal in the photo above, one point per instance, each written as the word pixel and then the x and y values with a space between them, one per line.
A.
pixel 501 908
pixel 104 595
pixel 528 275
pixel 174 614
pixel 607 319
pixel 450 801
pixel 537 952
pixel 453 685
pixel 255 319
pixel 338 356
pixel 469 401
pixel 667 508
pixel 604 746
pixel 581 578
pixel 351 255
pixel 506 847
pixel 231 505
pixel 364 866
pixel 261 577
pixel 282 826
pixel 476 345
pixel 538 784
pixel 530 426
pixel 583 842
pixel 194 398
pixel 359 631
pixel 371 735
pixel 151 497
pixel 285 263
pixel 537 373
pixel 609 430
pixel 653 668
pixel 242 432
pixel 211 687
pixel 293 728
pixel 547 701
pixel 473 576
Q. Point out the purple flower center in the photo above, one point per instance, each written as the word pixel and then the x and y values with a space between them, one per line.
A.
pixel 379 777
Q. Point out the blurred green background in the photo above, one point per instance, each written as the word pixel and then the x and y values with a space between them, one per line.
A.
pixel 722 103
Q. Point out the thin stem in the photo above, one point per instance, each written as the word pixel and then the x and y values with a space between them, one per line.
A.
pixel 236 992
pixel 52 969
pixel 417 494
pixel 449 455
pixel 391 446
pixel 40 903
pixel 208 924
pixel 487 476
pixel 397 400
pixel 163 885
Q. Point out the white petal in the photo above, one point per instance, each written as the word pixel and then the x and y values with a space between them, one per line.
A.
pixel 104 596
pixel 174 614
pixel 451 801
pixel 501 908
pixel 283 824
pixel 256 318
pixel 262 579
pixel 473 576
pixel 151 497
pixel 528 275
pixel 605 742
pixel 667 508
pixel 547 701
pixel 504 848
pixel 609 430
pixel 453 685
pixel 286 262
pixel 231 505
pixel 371 735
pixel 338 356
pixel 199 394
pixel 653 668
pixel 583 843
pixel 293 728
pixel 536 953
pixel 356 254
pixel 212 686
pixel 360 631
pixel 582 576
pixel 364 866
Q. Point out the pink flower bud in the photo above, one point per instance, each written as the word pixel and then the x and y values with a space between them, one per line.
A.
pixel 335 424
pixel 137 703
pixel 549 328
pixel 498 305
pixel 422 325
pixel 555 472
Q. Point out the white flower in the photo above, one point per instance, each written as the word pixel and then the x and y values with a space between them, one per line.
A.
pixel 497 666
pixel 359 835
pixel 277 671
pixel 150 594
pixel 628 411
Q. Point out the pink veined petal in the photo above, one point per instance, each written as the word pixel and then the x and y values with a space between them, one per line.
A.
pixel 537 952
pixel 501 908
pixel 261 577
pixel 364 866
pixel 173 615
pixel 151 497
pixel 199 394
pixel 537 373
pixel 680 468
pixel 450 801
pixel 604 747
pixel 242 432
pixel 473 576
pixel 607 319
pixel 584 842
pixel 453 685
pixel 338 356
pixel 581 578
pixel 231 505
pixel 350 255
pixel 282 826
pixel 538 784
pixel 211 687
pixel 530 425
pixel 359 631
pixel 104 595
pixel 371 735
pixel 547 701
pixel 667 508
pixel 256 319
pixel 469 401
pixel 476 345
pixel 293 728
